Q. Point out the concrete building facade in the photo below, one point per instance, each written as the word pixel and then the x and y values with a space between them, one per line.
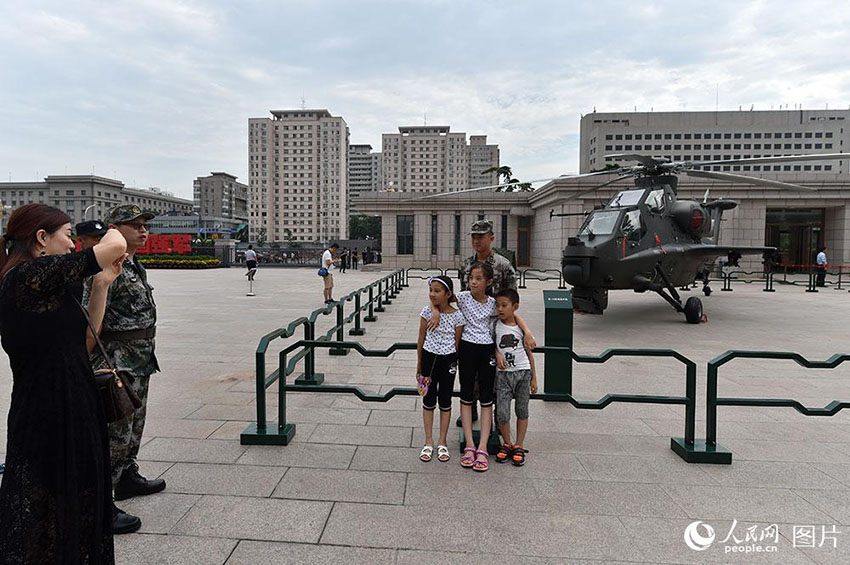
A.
pixel 432 159
pixel 712 136
pixel 433 232
pixel 73 194
pixel 220 195
pixel 364 173
pixel 298 176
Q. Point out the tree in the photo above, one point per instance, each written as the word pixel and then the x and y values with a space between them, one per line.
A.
pixel 364 227
pixel 261 237
pixel 290 239
pixel 511 184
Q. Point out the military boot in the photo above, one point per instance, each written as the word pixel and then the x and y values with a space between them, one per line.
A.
pixel 123 523
pixel 133 484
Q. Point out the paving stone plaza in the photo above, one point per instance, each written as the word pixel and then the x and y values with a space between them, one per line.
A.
pixel 599 486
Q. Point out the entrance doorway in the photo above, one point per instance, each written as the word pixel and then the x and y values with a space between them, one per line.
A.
pixel 797 233
pixel 523 252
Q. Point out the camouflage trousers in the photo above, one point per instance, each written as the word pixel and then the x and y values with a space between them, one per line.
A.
pixel 125 436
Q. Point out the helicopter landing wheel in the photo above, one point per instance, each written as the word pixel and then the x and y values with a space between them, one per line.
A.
pixel 706 290
pixel 693 310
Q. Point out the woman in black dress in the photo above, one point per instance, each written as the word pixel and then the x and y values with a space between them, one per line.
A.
pixel 55 498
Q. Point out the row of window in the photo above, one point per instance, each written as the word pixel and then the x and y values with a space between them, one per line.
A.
pixel 767 135
pixel 718 146
pixel 404 233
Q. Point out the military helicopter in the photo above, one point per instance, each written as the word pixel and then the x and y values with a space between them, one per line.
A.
pixel 646 239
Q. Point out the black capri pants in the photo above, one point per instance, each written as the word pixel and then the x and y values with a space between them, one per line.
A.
pixel 442 370
pixel 477 363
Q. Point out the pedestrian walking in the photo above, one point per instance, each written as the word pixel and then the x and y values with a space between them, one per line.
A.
pixel 821 262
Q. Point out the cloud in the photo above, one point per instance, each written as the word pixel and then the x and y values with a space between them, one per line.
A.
pixel 161 91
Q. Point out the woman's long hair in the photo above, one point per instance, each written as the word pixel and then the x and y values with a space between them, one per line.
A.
pixel 20 236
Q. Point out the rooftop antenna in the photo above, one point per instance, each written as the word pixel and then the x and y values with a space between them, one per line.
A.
pixel 717 97
pixel 303 101
pixel 425 119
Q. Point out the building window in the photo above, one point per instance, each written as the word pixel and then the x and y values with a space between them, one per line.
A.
pixel 457 235
pixel 504 241
pixel 434 228
pixel 404 235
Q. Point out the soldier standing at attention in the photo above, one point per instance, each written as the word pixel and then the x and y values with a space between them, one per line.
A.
pixel 128 329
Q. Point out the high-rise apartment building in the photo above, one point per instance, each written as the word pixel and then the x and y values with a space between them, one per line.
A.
pixel 434 159
pixel 298 176
pixel 481 158
pixel 711 136
pixel 220 195
pixel 364 173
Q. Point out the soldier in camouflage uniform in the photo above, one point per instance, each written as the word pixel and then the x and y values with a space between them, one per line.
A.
pixel 504 275
pixel 128 331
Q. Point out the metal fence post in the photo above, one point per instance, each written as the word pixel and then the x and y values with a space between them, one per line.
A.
pixel 558 371
pixel 284 430
pixel 811 287
pixel 391 286
pixel 840 270
pixel 521 284
pixel 370 317
pixel 309 376
pixel 405 282
pixel 387 289
pixel 357 329
pixel 727 282
pixel 380 306
pixel 768 282
pixel 340 336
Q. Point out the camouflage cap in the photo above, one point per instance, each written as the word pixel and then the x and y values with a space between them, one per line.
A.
pixel 481 227
pixel 127 213
pixel 92 227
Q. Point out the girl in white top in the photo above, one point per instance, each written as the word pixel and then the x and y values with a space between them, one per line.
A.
pixel 437 363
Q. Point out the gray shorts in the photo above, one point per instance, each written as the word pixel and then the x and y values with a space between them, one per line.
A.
pixel 514 385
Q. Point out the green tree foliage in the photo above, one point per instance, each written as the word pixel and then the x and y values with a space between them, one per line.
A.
pixel 506 174
pixel 364 227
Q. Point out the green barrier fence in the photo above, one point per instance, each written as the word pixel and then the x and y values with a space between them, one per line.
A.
pixel 723 455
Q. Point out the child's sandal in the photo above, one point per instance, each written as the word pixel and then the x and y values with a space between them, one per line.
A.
pixel 481 465
pixel 425 454
pixel 443 454
pixel 505 452
pixel 468 459
pixel 518 456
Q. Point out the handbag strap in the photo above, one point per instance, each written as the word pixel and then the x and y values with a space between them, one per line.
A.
pixel 96 336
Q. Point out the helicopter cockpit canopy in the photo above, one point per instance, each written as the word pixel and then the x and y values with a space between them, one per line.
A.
pixel 600 222
pixel 626 198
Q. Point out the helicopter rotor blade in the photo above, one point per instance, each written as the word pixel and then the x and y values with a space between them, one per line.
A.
pixel 508 184
pixel 779 159
pixel 594 189
pixel 644 160
pixel 749 180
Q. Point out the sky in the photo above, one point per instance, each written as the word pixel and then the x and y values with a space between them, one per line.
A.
pixel 159 92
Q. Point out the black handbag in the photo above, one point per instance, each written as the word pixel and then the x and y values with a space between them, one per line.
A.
pixel 116 393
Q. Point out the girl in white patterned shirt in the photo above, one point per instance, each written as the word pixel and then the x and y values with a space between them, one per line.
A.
pixel 437 363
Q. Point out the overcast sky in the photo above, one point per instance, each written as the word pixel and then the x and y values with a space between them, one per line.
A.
pixel 158 92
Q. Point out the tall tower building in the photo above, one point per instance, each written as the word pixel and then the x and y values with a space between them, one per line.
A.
pixel 298 176
pixel 481 158
pixel 364 173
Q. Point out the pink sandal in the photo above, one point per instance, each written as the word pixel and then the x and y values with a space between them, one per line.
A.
pixel 468 459
pixel 481 465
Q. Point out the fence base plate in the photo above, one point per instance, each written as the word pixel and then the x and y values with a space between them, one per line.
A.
pixel 370 319
pixel 357 331
pixel 378 309
pixel 335 351
pixel 272 435
pixel 700 452
pixel 315 379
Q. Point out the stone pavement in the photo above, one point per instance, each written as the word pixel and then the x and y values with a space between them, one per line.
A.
pixel 599 486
